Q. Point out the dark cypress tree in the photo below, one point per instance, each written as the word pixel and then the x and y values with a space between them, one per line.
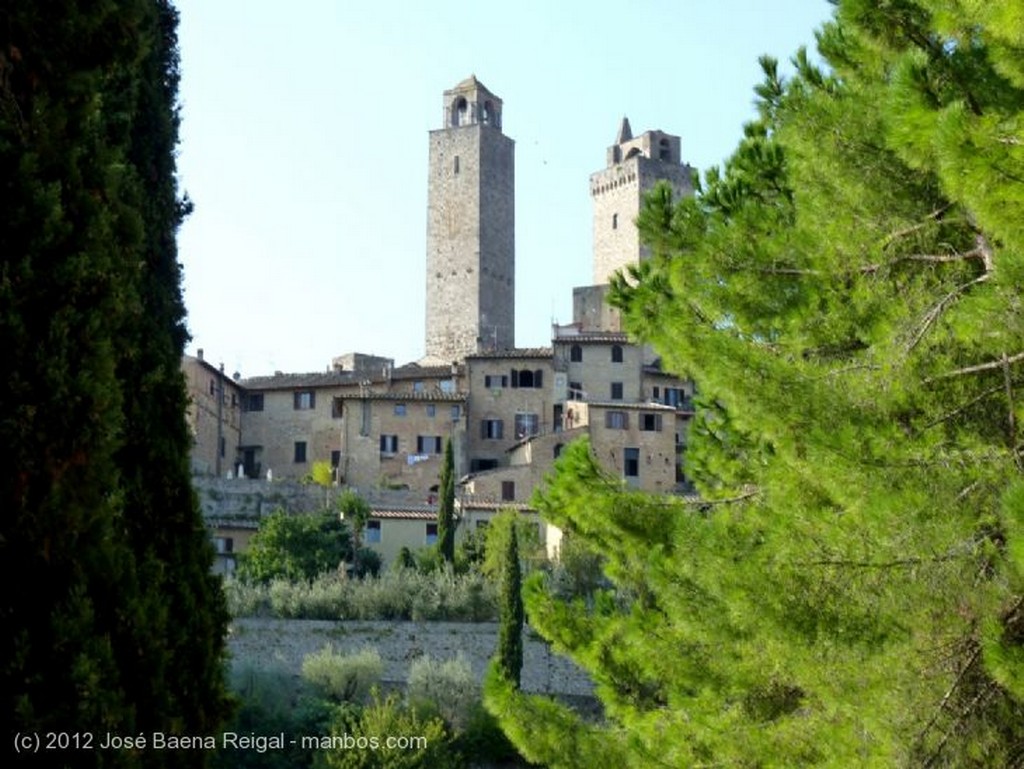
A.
pixel 510 630
pixel 186 611
pixel 446 506
pixel 123 625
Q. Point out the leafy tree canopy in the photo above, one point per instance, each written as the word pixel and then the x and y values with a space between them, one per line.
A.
pixel 845 292
pixel 295 547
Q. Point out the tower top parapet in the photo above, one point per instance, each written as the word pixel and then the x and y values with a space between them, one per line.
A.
pixel 656 145
pixel 471 103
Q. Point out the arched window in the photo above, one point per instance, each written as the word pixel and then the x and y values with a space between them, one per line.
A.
pixel 460 112
pixel 488 116
pixel 616 353
pixel 575 354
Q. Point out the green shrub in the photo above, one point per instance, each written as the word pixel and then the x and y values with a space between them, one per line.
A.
pixel 447 688
pixel 394 595
pixel 391 718
pixel 343 677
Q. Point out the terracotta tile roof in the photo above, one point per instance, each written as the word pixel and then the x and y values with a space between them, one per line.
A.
pixel 515 352
pixel 429 396
pixel 406 512
pixel 594 337
pixel 282 381
pixel 631 405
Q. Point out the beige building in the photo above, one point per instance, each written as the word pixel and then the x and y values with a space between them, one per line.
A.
pixel 513 394
pixel 214 416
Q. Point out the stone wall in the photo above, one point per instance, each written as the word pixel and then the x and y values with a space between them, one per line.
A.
pixel 282 644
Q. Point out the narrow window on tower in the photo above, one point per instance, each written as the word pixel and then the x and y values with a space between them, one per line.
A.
pixel 615 221
pixel 455 165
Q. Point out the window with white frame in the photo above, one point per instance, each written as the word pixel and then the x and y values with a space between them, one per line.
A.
pixel 492 429
pixel 428 444
pixel 616 420
pixel 527 424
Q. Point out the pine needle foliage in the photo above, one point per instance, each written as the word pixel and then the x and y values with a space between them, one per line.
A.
pixel 845 291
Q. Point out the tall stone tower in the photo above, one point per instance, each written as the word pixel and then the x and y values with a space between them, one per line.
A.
pixel 470 228
pixel 632 168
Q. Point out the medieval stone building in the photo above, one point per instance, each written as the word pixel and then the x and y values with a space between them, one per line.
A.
pixel 509 411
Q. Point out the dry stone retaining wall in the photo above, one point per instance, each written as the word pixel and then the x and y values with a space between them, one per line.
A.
pixel 282 644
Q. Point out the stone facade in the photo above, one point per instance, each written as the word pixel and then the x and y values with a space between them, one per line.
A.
pixel 634 166
pixel 508 411
pixel 214 416
pixel 512 395
pixel 470 228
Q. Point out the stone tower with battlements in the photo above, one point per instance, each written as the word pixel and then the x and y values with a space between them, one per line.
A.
pixel 633 166
pixel 470 228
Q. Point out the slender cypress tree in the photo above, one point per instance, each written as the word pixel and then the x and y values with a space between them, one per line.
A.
pixel 446 505
pixel 510 629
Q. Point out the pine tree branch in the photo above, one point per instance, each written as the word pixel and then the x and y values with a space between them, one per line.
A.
pixel 1004 361
pixel 960 409
pixel 944 705
pixel 1011 418
pixel 932 217
pixel 933 314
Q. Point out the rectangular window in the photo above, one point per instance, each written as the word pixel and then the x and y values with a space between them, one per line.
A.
pixel 252 402
pixel 431 410
pixel 650 423
pixel 337 408
pixel 527 378
pixel 213 387
pixel 616 391
pixel 335 459
pixel 631 463
pixel 224 545
pixel 526 425
pixel 371 535
pixel 431 538
pixel 428 444
pixel 300 451
pixel 657 393
pixel 304 400
pixel 456 413
pixel 417 386
pixel 492 429
pixel 616 420
pixel 495 381
pixel 673 396
pixel 389 444
pixel 576 391
pixel 399 409
pixel 223 446
pixel 447 385
pixel 508 491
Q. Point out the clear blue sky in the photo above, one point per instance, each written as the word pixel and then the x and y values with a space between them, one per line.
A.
pixel 304 149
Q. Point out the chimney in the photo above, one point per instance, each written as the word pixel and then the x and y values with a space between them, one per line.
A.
pixel 199 353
